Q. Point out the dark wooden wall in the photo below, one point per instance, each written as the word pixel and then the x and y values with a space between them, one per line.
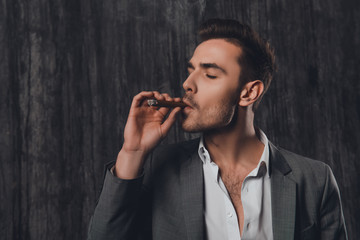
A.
pixel 69 68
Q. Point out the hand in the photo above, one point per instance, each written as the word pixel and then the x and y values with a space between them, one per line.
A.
pixel 145 128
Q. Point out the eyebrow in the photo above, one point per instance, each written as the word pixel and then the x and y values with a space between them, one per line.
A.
pixel 206 66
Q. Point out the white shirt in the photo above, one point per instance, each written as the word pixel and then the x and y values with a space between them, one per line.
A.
pixel 220 216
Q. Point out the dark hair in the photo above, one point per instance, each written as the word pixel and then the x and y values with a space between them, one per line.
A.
pixel 258 58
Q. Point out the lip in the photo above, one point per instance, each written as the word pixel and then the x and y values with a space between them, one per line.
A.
pixel 187 110
pixel 187 103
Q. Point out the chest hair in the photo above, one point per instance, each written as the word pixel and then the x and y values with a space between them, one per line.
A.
pixel 233 182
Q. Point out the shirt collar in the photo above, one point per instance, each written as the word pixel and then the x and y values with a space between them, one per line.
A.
pixel 202 150
pixel 264 159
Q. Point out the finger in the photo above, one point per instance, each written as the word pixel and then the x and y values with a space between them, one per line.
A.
pixel 158 96
pixel 164 110
pixel 165 127
pixel 177 99
pixel 139 98
pixel 167 97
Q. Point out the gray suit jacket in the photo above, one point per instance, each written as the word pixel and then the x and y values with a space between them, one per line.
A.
pixel 167 201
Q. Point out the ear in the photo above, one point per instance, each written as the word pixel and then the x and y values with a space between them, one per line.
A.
pixel 251 92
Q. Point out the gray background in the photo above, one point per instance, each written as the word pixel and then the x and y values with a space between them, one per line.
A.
pixel 69 69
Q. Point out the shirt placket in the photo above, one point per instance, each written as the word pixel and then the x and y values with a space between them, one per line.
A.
pixel 231 216
pixel 251 197
pixel 245 199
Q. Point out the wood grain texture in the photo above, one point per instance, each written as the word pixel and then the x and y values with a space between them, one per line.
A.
pixel 69 70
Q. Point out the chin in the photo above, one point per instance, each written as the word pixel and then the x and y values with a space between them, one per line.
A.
pixel 191 125
pixel 213 120
pixel 194 126
pixel 191 128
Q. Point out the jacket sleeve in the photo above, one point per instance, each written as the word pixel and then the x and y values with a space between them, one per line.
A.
pixel 331 214
pixel 121 211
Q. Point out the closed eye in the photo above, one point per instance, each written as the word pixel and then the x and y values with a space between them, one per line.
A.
pixel 211 76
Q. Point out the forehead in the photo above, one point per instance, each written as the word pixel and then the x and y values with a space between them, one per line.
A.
pixel 217 51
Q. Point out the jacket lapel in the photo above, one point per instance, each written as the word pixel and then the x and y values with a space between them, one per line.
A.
pixel 283 196
pixel 192 194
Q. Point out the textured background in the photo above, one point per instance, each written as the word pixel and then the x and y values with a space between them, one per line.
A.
pixel 69 69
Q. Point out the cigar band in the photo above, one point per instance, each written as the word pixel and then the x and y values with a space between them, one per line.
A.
pixel 152 102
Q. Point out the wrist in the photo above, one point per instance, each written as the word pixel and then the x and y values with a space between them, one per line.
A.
pixel 129 164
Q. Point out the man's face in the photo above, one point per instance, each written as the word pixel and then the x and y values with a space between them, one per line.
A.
pixel 212 88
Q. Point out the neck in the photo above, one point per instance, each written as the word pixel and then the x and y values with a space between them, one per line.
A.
pixel 236 144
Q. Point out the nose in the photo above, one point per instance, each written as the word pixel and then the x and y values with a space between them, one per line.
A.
pixel 189 85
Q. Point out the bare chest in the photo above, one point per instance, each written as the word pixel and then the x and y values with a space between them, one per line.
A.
pixel 233 183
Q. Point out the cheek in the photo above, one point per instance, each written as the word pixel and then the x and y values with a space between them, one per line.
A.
pixel 218 98
pixel 218 115
pixel 210 92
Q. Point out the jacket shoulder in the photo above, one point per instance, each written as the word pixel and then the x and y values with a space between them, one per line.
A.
pixel 176 150
pixel 168 158
pixel 311 173
pixel 302 163
pixel 318 195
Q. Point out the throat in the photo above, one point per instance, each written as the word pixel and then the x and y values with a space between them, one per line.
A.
pixel 244 152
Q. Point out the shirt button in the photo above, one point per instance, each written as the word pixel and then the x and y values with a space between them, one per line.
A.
pixel 229 214
pixel 248 226
pixel 247 189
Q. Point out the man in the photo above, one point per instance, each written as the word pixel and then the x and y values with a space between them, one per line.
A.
pixel 232 183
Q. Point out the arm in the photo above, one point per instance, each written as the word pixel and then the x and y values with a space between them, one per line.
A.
pixel 331 214
pixel 124 201
pixel 116 210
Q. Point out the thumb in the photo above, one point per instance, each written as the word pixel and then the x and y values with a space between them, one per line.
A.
pixel 165 127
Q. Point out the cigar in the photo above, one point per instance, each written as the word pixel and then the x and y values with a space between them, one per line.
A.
pixel 163 103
